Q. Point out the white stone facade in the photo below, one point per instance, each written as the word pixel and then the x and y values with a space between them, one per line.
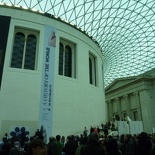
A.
pixel 76 104
pixel 133 97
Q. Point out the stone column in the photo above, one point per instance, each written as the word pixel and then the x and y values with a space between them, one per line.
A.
pixel 136 94
pixel 128 106
pixel 118 108
pixel 110 110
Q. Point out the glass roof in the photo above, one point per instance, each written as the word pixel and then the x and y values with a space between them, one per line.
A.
pixel 124 29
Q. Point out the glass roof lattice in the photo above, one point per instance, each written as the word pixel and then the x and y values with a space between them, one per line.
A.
pixel 124 29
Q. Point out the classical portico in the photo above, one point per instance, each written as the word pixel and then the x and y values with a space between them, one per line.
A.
pixel 133 97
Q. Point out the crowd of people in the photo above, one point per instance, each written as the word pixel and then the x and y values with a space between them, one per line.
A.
pixel 90 142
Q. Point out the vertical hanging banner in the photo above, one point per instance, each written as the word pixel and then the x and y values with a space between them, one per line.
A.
pixel 47 83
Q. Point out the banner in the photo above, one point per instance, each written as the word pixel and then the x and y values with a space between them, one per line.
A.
pixel 131 127
pixel 47 83
pixel 123 127
pixel 4 30
pixel 136 127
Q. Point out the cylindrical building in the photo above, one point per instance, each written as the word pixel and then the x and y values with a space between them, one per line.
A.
pixel 51 74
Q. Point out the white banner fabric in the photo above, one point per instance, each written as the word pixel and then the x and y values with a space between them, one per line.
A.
pixel 47 83
pixel 136 127
pixel 123 127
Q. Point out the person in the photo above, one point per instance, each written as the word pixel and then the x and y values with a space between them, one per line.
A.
pixel 59 145
pixel 37 147
pixel 111 146
pixel 1 146
pixel 105 130
pixel 82 142
pixel 113 127
pixel 51 146
pixel 96 130
pixel 128 147
pixel 63 140
pixel 52 39
pixel 16 149
pixel 70 146
pixel 93 147
pixel 26 146
pixel 143 144
pixel 43 133
pixel 85 132
pixel 6 136
pixel 7 145
pixel 91 129
pixel 37 133
pixel 152 151
pixel 23 137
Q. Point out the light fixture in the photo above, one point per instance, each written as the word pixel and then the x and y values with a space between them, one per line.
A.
pixel 8 4
pixel 41 12
pixel 35 10
pixel 1 3
pixel 24 7
pixel 17 6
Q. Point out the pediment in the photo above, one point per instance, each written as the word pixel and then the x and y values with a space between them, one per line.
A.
pixel 117 83
pixel 120 82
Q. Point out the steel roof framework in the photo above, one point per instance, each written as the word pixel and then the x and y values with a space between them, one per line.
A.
pixel 124 29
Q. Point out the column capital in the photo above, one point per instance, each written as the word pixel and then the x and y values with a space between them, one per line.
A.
pixel 135 93
pixel 126 96
pixel 117 99
pixel 108 101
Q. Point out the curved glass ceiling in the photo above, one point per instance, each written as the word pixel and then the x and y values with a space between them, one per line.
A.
pixel 124 29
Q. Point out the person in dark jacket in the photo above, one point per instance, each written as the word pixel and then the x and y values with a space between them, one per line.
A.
pixel 111 146
pixel 144 144
pixel 51 146
pixel 16 149
pixel 152 152
pixel 128 147
pixel 37 147
pixel 93 147
pixel 70 146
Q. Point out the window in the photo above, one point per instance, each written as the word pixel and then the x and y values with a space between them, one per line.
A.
pixel 92 70
pixel 24 49
pixel 116 116
pixel 67 59
pixel 124 116
pixel 135 116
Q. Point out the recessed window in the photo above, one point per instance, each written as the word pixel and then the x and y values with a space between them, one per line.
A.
pixel 135 116
pixel 92 70
pixel 117 117
pixel 67 59
pixel 124 116
pixel 24 49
